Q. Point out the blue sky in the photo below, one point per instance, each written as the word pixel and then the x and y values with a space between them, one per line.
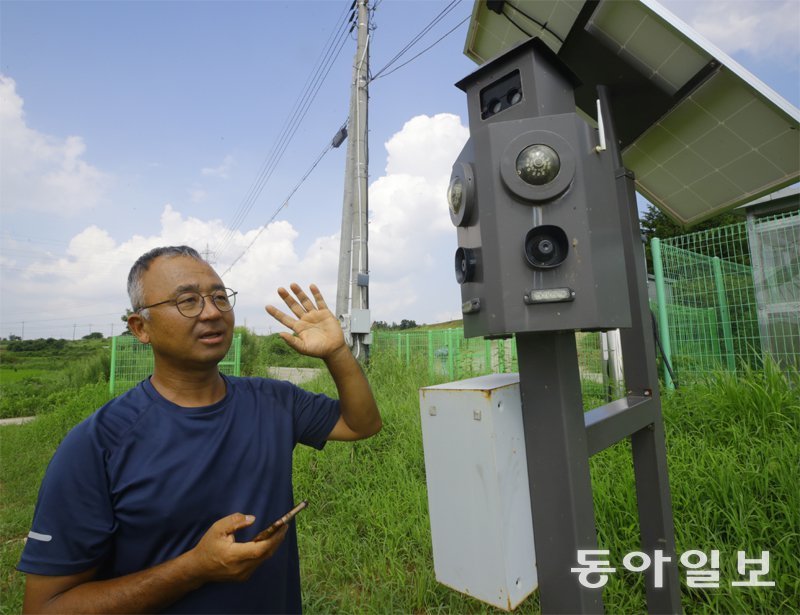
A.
pixel 127 125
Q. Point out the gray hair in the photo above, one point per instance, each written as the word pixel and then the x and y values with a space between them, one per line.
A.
pixel 142 264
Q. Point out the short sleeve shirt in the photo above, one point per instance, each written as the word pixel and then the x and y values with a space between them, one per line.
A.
pixel 141 480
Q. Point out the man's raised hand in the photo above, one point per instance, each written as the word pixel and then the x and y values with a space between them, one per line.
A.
pixel 317 332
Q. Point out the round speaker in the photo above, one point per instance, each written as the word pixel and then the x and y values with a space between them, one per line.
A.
pixel 465 263
pixel 546 246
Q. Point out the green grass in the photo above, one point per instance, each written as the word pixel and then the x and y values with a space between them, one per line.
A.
pixel 733 451
pixel 36 382
pixel 734 448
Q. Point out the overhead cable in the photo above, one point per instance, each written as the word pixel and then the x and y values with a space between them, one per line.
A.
pixel 418 37
pixel 300 108
pixel 436 42
pixel 328 148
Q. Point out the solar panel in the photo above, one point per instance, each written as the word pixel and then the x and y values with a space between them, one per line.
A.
pixel 701 133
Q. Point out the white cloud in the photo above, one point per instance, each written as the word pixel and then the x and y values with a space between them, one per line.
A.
pixel 197 195
pixel 411 237
pixel 39 172
pixel 222 171
pixel 767 28
pixel 411 246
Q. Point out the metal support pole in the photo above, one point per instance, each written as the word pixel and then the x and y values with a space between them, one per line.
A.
pixel 558 469
pixel 346 235
pixel 352 291
pixel 359 289
pixel 112 374
pixel 641 377
pixel 724 314
pixel 661 299
pixel 431 372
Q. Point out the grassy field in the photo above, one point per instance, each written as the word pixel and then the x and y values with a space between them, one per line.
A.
pixel 35 378
pixel 733 446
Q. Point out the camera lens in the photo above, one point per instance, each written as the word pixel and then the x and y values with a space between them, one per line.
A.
pixel 546 246
pixel 465 262
pixel 538 165
pixel 455 194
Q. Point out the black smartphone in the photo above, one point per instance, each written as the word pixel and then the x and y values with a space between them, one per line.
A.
pixel 264 534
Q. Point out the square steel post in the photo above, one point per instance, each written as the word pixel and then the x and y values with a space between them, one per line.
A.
pixel 558 468
pixel 641 378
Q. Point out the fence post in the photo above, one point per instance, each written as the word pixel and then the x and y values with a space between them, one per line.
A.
pixel 724 314
pixel 501 356
pixel 450 354
pixel 487 356
pixel 112 375
pixel 661 299
pixel 399 346
pixel 237 355
pixel 514 362
pixel 430 354
pixel 408 348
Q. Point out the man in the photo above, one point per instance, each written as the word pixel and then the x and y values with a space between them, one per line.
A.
pixel 151 503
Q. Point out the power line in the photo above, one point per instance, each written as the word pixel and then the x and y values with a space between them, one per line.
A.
pixel 439 40
pixel 282 206
pixel 300 108
pixel 418 37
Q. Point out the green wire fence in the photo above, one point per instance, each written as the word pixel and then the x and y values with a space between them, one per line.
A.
pixel 132 362
pixel 727 297
pixel 449 356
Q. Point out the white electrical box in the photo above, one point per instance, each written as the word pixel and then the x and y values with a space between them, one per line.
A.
pixel 478 495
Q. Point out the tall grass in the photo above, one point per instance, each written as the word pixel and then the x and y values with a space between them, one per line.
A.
pixel 37 382
pixel 733 452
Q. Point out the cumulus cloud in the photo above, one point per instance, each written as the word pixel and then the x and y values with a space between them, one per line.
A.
pixel 222 171
pixel 758 27
pixel 411 236
pixel 411 244
pixel 40 172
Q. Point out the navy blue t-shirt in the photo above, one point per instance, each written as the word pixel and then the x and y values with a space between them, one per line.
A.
pixel 141 480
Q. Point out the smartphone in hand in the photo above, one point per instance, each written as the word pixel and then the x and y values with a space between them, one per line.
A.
pixel 263 535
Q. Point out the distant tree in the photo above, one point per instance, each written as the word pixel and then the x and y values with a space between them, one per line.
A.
pixel 655 223
pixel 94 335
pixel 381 324
pixel 14 338
pixel 124 318
pixel 407 324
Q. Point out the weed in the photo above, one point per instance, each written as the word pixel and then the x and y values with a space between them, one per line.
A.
pixel 733 448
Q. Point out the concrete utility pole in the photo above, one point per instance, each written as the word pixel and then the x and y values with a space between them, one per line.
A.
pixel 352 294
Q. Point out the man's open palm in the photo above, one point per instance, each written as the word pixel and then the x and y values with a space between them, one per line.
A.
pixel 317 332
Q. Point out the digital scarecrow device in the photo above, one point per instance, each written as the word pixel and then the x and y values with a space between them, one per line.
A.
pixel 534 199
pixel 614 97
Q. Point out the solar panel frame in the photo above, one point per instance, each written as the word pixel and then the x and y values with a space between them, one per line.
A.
pixel 722 138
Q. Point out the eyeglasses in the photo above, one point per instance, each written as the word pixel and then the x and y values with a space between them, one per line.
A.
pixel 191 304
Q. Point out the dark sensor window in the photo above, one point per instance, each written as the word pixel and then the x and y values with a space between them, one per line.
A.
pixel 501 95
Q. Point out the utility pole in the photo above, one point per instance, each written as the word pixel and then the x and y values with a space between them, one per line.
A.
pixel 352 293
pixel 208 255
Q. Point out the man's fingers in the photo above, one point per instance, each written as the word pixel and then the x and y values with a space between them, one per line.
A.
pixel 291 340
pixel 235 522
pixel 304 300
pixel 291 303
pixel 281 317
pixel 318 297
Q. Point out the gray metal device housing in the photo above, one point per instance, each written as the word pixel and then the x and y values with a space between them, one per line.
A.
pixel 498 209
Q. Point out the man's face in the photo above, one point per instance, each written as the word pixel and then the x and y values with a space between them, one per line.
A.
pixel 177 340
